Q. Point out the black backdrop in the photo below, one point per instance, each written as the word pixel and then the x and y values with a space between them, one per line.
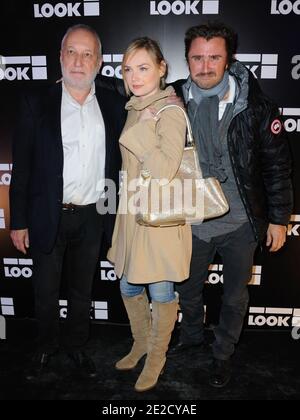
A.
pixel 269 33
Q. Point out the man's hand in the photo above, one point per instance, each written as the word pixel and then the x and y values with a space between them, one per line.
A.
pixel 276 237
pixel 173 99
pixel 20 239
pixel 148 114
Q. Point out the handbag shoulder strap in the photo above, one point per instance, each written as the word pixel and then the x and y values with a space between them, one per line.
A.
pixel 190 139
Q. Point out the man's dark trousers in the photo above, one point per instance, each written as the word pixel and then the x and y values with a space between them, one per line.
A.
pixel 237 251
pixel 76 253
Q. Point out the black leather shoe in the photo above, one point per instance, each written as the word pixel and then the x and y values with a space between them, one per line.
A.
pixel 220 374
pixel 39 365
pixel 182 348
pixel 84 363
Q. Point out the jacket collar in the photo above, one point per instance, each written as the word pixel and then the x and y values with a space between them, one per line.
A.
pixel 241 75
pixel 138 105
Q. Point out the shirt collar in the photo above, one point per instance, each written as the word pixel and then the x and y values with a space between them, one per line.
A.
pixel 73 101
pixel 232 89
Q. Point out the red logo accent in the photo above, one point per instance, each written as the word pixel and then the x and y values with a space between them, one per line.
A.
pixel 276 127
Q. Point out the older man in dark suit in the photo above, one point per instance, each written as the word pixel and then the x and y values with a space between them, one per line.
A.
pixel 65 147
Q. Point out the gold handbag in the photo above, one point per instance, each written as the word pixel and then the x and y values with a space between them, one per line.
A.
pixel 188 198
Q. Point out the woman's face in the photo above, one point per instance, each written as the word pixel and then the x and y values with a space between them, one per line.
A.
pixel 143 74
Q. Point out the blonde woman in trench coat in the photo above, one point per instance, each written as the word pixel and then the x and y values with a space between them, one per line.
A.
pixel 142 255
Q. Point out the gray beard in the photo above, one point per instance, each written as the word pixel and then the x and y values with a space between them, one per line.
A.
pixel 84 85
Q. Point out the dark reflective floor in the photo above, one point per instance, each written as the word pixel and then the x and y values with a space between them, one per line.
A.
pixel 266 366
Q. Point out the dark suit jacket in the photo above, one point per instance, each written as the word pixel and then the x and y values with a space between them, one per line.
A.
pixel 36 191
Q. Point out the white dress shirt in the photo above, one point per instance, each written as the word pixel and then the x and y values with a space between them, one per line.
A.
pixel 229 99
pixel 83 137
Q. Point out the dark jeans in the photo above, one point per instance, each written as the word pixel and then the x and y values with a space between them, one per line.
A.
pixel 237 252
pixel 77 249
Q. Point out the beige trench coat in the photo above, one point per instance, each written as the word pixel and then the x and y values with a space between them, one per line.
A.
pixel 151 254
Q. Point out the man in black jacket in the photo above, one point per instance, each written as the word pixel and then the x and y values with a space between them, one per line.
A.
pixel 240 139
pixel 65 147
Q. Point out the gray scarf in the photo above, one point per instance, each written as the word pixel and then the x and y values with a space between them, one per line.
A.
pixel 203 110
pixel 220 90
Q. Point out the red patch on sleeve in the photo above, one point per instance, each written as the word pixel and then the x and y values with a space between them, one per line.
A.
pixel 276 127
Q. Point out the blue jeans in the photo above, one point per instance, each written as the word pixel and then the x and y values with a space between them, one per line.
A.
pixel 161 292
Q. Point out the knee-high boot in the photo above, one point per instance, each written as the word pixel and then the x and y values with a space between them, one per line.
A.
pixel 139 315
pixel 164 316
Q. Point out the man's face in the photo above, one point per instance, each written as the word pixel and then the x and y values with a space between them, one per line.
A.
pixel 80 59
pixel 207 61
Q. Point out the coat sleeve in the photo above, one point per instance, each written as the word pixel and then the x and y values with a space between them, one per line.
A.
pixel 112 83
pixel 276 166
pixel 158 145
pixel 22 159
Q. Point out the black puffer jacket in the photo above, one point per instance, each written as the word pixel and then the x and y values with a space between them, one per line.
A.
pixel 259 153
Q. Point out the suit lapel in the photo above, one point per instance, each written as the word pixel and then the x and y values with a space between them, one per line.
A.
pixel 54 111
pixel 103 104
pixel 53 125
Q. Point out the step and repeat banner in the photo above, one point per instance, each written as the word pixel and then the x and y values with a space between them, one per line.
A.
pixel 269 33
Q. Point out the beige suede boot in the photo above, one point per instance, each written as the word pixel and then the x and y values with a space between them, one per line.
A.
pixel 164 316
pixel 139 315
